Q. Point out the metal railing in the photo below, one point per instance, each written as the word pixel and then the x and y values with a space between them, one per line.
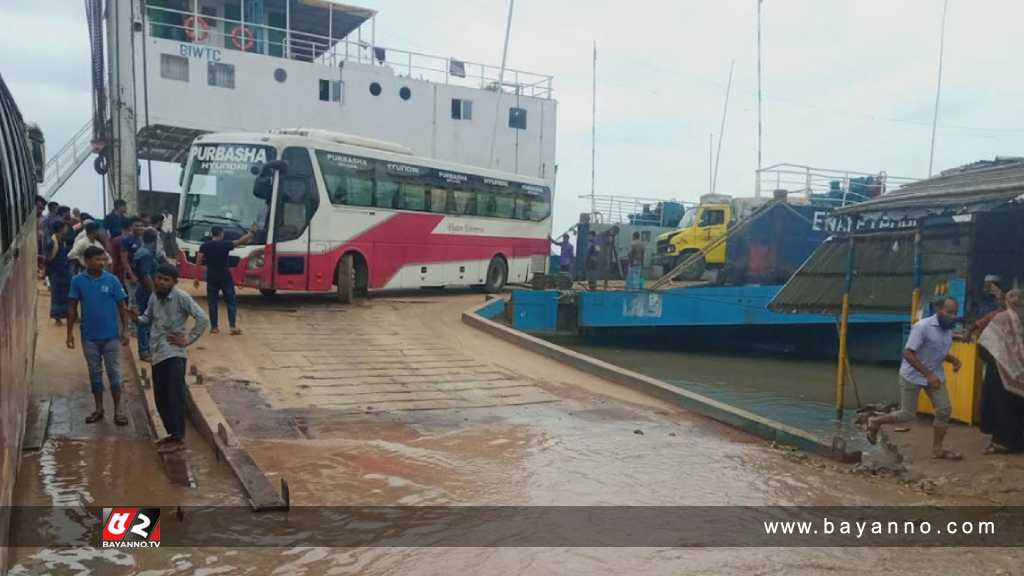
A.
pixel 841 187
pixel 224 33
pixel 609 209
pixel 63 164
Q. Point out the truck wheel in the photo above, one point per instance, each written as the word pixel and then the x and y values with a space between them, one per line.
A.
pixel 497 275
pixel 695 270
pixel 344 278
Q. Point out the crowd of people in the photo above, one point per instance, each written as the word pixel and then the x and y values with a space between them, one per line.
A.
pixel 602 260
pixel 118 275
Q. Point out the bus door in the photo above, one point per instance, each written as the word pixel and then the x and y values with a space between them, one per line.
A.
pixel 295 204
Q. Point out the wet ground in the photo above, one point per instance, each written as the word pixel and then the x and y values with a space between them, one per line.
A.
pixel 395 402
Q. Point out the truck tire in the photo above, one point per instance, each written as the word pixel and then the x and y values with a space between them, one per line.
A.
pixel 695 270
pixel 497 275
pixel 344 278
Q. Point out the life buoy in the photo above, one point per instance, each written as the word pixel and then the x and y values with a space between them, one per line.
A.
pixel 197 29
pixel 237 34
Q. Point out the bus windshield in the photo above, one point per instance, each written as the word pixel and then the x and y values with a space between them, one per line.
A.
pixel 218 191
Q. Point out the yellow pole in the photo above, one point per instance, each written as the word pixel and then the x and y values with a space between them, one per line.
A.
pixel 915 305
pixel 841 369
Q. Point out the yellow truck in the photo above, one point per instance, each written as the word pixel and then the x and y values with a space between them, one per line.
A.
pixel 700 227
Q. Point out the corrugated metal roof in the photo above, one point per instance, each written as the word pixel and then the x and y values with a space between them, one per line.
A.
pixel 970 189
pixel 883 272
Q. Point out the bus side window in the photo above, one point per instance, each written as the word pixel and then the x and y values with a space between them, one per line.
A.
pixel 387 193
pixel 485 205
pixel 540 208
pixel 523 207
pixel 462 202
pixel 438 200
pixel 505 204
pixel 412 196
pixel 6 179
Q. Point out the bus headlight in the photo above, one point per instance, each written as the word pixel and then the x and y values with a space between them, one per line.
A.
pixel 255 260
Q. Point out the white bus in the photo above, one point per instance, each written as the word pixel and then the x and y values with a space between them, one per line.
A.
pixel 341 213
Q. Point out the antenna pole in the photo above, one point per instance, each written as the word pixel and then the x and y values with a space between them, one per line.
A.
pixel 760 129
pixel 711 170
pixel 593 138
pixel 501 78
pixel 721 131
pixel 938 87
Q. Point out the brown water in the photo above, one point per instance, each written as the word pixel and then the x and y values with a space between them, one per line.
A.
pixel 581 449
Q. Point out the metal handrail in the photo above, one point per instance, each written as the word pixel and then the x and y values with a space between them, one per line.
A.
pixel 305 46
pixel 63 164
pixel 799 178
pixel 611 209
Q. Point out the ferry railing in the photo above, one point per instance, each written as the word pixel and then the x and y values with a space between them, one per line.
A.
pixel 292 44
pixel 853 186
pixel 610 209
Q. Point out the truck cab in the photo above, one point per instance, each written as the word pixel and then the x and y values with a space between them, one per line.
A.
pixel 700 227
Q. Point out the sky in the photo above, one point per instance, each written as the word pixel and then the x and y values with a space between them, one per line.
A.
pixel 847 84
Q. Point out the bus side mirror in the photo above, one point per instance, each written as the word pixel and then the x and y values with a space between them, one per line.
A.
pixel 181 174
pixel 263 187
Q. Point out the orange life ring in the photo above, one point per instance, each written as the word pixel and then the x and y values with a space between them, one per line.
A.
pixel 190 29
pixel 236 38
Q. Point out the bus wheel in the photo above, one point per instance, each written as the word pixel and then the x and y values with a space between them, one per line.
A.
pixel 268 292
pixel 345 279
pixel 497 275
pixel 695 270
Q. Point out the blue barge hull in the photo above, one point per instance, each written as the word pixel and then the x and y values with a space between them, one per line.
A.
pixel 712 318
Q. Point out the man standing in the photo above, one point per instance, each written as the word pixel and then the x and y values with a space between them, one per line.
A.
pixel 594 260
pixel 104 328
pixel 927 348
pixel 130 241
pixel 167 314
pixel 214 254
pixel 144 265
pixel 566 253
pixel 116 220
pixel 89 238
pixel 634 276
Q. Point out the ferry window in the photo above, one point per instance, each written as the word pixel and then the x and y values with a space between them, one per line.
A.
pixel 412 196
pixel 174 67
pixel 330 90
pixel 219 74
pixel 438 200
pixel 405 93
pixel 517 118
pixel 462 109
pixel 712 217
pixel 375 89
pixel 349 180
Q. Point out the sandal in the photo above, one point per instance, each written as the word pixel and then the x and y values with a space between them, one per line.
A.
pixel 214 330
pixel 236 331
pixel 94 417
pixel 994 448
pixel 120 419
pixel 948 455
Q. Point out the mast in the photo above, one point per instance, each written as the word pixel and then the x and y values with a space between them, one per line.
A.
pixel 760 129
pixel 124 177
pixel 501 78
pixel 938 87
pixel 593 137
pixel 721 131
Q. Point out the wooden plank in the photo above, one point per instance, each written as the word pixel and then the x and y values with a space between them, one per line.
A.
pixel 176 464
pixel 36 423
pixel 208 418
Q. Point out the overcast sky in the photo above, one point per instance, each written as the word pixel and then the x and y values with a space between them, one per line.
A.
pixel 848 84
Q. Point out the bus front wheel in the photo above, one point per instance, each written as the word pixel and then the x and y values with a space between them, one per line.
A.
pixel 497 275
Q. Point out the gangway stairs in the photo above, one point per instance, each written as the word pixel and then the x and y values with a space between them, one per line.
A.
pixel 62 165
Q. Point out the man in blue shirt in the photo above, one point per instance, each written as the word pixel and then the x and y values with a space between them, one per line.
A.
pixel 566 255
pixel 116 220
pixel 144 265
pixel 921 371
pixel 104 328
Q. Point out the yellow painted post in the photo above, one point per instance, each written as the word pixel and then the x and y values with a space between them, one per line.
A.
pixel 841 369
pixel 915 305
